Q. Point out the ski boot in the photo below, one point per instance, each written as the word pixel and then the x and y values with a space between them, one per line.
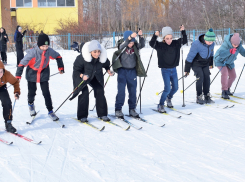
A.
pixel 9 127
pixel 160 108
pixel 105 118
pixel 229 92
pixel 169 103
pixel 133 113
pixel 119 114
pixel 32 109
pixel 208 99
pixel 225 94
pixel 84 120
pixel 200 100
pixel 52 115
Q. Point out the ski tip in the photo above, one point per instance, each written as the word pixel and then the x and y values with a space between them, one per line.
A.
pixel 140 128
pixel 162 125
pixel 127 128
pixel 10 143
pixel 189 113
pixel 102 128
pixel 39 142
pixel 28 123
pixel 179 117
pixel 63 126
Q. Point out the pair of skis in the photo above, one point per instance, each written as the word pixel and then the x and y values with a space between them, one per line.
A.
pixel 33 118
pixel 115 124
pixel 173 109
pixel 20 136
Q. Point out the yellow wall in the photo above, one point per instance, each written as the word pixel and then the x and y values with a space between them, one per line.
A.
pixel 46 18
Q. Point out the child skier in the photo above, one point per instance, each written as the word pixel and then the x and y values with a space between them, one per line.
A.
pixel 128 66
pixel 7 77
pixel 19 43
pixel 88 68
pixel 200 58
pixel 37 62
pixel 168 53
pixel 224 59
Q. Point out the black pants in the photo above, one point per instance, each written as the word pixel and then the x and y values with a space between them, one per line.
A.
pixel 6 103
pixel 83 100
pixel 4 57
pixel 32 87
pixel 20 55
pixel 203 84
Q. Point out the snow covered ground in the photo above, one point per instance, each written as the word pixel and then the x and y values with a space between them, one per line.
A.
pixel 208 145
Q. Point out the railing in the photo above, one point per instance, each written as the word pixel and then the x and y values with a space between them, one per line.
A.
pixel 109 39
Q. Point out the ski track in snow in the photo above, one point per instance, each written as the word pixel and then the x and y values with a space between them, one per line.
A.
pixel 207 145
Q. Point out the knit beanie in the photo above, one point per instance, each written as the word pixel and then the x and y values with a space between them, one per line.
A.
pixel 235 39
pixel 210 35
pixel 94 45
pixel 127 34
pixel 167 31
pixel 20 28
pixel 43 39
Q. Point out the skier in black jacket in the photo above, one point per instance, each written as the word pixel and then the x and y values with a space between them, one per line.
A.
pixel 19 44
pixel 168 53
pixel 3 45
pixel 88 67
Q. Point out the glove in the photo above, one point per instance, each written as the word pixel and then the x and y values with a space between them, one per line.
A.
pixel 16 95
pixel 233 50
pixel 186 74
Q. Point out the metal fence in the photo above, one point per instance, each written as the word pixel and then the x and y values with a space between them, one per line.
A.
pixel 109 39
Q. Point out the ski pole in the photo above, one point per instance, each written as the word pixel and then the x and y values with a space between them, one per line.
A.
pixel 104 87
pixel 13 106
pixel 54 74
pixel 190 85
pixel 70 95
pixel 183 82
pixel 220 69
pixel 217 74
pixel 178 80
pixel 146 72
pixel 239 79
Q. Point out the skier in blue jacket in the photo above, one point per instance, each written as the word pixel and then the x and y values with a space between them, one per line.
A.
pixel 200 58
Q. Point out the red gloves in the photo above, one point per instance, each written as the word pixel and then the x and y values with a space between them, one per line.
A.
pixel 233 50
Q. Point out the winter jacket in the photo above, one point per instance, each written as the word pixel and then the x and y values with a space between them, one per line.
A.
pixel 87 65
pixel 200 54
pixel 223 53
pixel 168 55
pixel 37 62
pixel 18 41
pixel 3 41
pixel 116 64
pixel 128 57
pixel 9 78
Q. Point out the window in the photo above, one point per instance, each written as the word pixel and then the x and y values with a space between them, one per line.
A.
pixel 23 3
pixel 61 3
pixel 56 3
pixel 70 3
pixel 51 2
pixel 42 3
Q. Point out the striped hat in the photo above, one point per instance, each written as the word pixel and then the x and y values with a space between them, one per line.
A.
pixel 210 35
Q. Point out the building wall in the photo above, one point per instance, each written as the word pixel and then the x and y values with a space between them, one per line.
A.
pixel 5 19
pixel 45 18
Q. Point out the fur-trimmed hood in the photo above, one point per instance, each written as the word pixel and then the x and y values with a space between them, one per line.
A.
pixel 87 55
